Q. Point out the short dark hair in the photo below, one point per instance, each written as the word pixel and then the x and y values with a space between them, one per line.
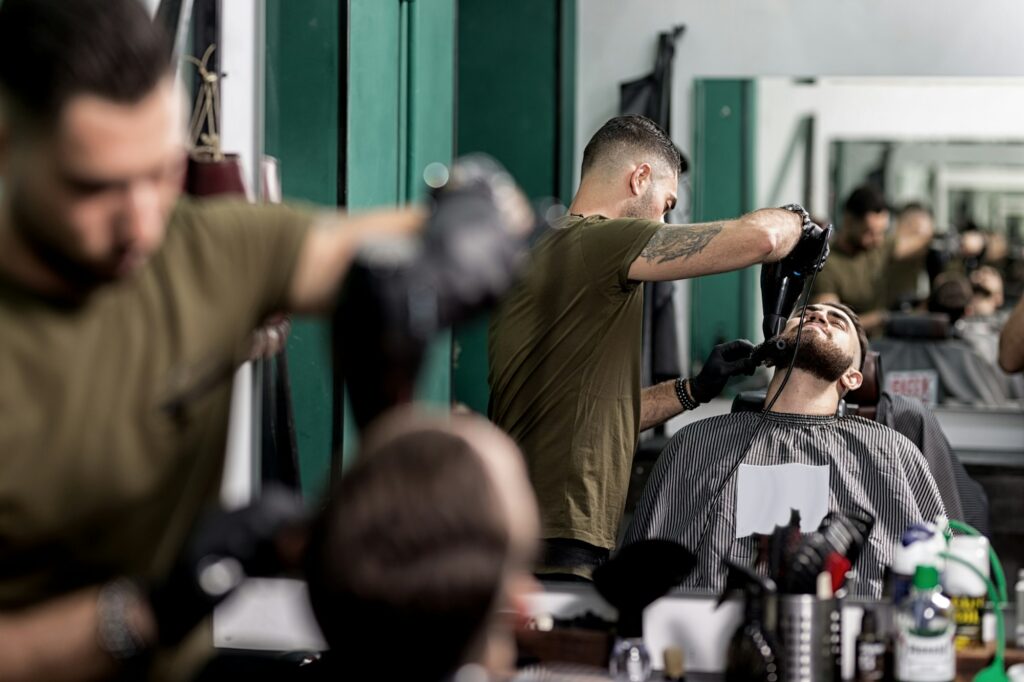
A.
pixel 863 200
pixel 951 294
pixel 635 132
pixel 862 336
pixel 53 50
pixel 914 207
pixel 411 548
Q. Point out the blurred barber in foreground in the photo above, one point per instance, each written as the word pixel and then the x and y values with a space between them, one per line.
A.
pixel 565 349
pixel 124 309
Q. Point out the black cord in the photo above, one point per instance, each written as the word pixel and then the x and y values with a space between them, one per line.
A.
pixel 763 420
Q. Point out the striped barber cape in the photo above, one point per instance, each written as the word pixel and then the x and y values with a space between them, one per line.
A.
pixel 849 465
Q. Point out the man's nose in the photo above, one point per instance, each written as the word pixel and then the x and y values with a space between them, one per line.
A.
pixel 141 207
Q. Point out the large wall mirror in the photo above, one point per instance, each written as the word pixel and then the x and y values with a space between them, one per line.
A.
pixel 954 146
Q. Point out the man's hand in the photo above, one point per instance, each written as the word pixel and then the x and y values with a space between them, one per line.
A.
pixel 726 360
pixel 265 538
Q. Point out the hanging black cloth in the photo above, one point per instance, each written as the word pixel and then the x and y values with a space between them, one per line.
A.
pixel 651 96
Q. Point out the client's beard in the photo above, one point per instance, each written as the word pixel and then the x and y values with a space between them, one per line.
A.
pixel 817 356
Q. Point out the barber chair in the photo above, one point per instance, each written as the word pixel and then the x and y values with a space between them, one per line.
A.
pixel 963 497
pixel 941 367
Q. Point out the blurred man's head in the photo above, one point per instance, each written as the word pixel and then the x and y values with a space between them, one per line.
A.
pixel 635 163
pixel 951 294
pixel 428 538
pixel 833 344
pixel 865 219
pixel 987 286
pixel 91 134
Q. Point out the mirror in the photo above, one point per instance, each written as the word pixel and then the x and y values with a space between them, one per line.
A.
pixel 952 146
pixel 955 147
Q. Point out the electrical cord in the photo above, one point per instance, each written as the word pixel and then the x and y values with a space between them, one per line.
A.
pixel 763 417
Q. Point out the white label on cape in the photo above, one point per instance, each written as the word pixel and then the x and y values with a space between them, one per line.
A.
pixel 766 494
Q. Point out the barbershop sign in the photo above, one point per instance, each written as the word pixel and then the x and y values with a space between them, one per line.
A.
pixel 921 384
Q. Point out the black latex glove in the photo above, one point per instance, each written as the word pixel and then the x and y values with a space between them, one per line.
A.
pixel 726 360
pixel 398 296
pixel 265 538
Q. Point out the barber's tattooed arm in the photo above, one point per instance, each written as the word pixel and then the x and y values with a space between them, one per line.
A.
pixel 683 251
pixel 679 241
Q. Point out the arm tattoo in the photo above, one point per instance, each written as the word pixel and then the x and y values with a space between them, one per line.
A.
pixel 679 241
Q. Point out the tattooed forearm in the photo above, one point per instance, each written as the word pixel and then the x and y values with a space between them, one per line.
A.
pixel 679 241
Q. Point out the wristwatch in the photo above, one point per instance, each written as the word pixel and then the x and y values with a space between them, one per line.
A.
pixel 805 217
pixel 115 631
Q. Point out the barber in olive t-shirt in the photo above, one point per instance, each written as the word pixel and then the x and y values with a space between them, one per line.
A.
pixel 123 311
pixel 565 345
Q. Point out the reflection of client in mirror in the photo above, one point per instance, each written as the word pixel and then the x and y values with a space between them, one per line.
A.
pixel 870 269
pixel 722 479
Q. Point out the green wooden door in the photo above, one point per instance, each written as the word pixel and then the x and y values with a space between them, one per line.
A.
pixel 516 102
pixel 359 100
pixel 725 306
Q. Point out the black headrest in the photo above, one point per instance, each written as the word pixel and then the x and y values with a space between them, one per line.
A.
pixel 918 326
pixel 870 391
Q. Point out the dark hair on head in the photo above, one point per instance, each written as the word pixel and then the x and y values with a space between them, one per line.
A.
pixel 951 294
pixel 631 132
pixel 863 200
pixel 412 548
pixel 862 336
pixel 53 50
pixel 914 207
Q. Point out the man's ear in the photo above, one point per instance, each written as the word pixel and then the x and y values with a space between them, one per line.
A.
pixel 851 380
pixel 640 178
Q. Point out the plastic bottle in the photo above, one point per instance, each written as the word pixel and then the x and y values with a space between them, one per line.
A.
pixel 752 655
pixel 924 632
pixel 1019 598
pixel 966 590
pixel 921 544
pixel 870 651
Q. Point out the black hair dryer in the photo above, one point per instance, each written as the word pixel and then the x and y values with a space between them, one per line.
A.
pixel 782 282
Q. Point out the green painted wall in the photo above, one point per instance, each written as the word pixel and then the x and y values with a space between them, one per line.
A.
pixel 516 102
pixel 398 116
pixel 301 129
pixel 723 307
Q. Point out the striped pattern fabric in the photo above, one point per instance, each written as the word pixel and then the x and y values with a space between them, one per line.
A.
pixel 691 494
pixel 963 497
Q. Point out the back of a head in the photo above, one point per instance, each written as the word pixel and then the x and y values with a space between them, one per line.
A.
pixel 411 550
pixel 53 50
pixel 951 294
pixel 625 135
pixel 863 200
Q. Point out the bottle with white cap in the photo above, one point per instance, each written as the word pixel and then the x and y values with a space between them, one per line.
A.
pixel 1019 598
pixel 966 589
pixel 924 632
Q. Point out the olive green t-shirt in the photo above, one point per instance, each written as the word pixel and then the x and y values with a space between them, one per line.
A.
pixel 564 353
pixel 114 411
pixel 859 280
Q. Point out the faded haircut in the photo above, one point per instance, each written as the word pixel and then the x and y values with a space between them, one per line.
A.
pixel 630 132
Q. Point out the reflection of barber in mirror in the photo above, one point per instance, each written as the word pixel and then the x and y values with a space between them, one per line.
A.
pixel 869 269
pixel 722 479
pixel 123 312
pixel 565 345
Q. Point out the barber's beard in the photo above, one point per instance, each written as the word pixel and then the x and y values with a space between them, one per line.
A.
pixel 641 207
pixel 36 235
pixel 818 355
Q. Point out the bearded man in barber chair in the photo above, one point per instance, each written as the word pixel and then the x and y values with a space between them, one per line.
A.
pixel 721 480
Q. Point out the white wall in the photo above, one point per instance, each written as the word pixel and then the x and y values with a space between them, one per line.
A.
pixel 742 38
pixel 874 109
